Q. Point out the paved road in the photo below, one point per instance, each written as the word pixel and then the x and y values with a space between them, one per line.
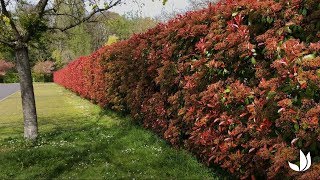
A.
pixel 8 89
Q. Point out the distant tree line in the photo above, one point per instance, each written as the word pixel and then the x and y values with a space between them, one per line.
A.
pixel 57 48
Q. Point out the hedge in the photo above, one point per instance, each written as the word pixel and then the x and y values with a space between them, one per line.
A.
pixel 11 77
pixel 237 84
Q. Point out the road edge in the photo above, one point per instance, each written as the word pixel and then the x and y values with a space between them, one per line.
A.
pixel 9 96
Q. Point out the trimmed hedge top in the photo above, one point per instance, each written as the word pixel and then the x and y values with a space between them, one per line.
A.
pixel 237 84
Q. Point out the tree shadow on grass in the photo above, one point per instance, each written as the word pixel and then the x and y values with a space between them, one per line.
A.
pixel 108 146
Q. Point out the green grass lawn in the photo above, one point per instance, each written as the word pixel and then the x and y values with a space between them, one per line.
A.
pixel 80 141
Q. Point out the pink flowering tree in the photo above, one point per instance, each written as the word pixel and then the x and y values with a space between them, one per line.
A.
pixel 43 71
pixel 4 67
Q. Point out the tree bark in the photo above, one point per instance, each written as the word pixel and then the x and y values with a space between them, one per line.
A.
pixel 27 93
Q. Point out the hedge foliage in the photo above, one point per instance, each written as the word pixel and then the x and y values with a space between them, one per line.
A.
pixel 237 84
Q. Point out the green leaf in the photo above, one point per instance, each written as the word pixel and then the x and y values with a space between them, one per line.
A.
pixel 95 6
pixel 6 20
pixel 247 101
pixel 164 2
pixel 225 71
pixel 227 90
pixel 309 92
pixel 313 146
pixel 269 20
pixel 296 127
pixel 253 61
pixel 271 94
pixel 234 14
pixel 288 30
pixel 304 12
pixel 318 72
pixel 308 57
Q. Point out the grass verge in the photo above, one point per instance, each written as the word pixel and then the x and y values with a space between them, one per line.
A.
pixel 80 141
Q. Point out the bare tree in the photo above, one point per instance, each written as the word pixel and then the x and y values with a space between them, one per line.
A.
pixel 21 23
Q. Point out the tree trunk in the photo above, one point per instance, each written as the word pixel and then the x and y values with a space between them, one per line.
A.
pixel 27 93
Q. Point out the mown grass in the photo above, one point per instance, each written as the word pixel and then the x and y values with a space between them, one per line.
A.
pixel 80 141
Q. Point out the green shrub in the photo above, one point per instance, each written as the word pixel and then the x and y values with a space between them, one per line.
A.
pixel 11 77
pixel 41 77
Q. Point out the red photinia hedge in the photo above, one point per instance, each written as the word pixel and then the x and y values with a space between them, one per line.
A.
pixel 237 84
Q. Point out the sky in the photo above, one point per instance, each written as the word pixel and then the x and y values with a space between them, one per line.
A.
pixel 150 8
pixel 146 8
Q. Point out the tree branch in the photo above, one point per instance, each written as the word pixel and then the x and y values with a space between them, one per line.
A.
pixel 7 43
pixel 8 15
pixel 41 7
pixel 39 10
pixel 87 18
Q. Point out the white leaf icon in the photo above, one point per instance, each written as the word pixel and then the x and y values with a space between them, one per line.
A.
pixel 308 162
pixel 294 167
pixel 305 163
